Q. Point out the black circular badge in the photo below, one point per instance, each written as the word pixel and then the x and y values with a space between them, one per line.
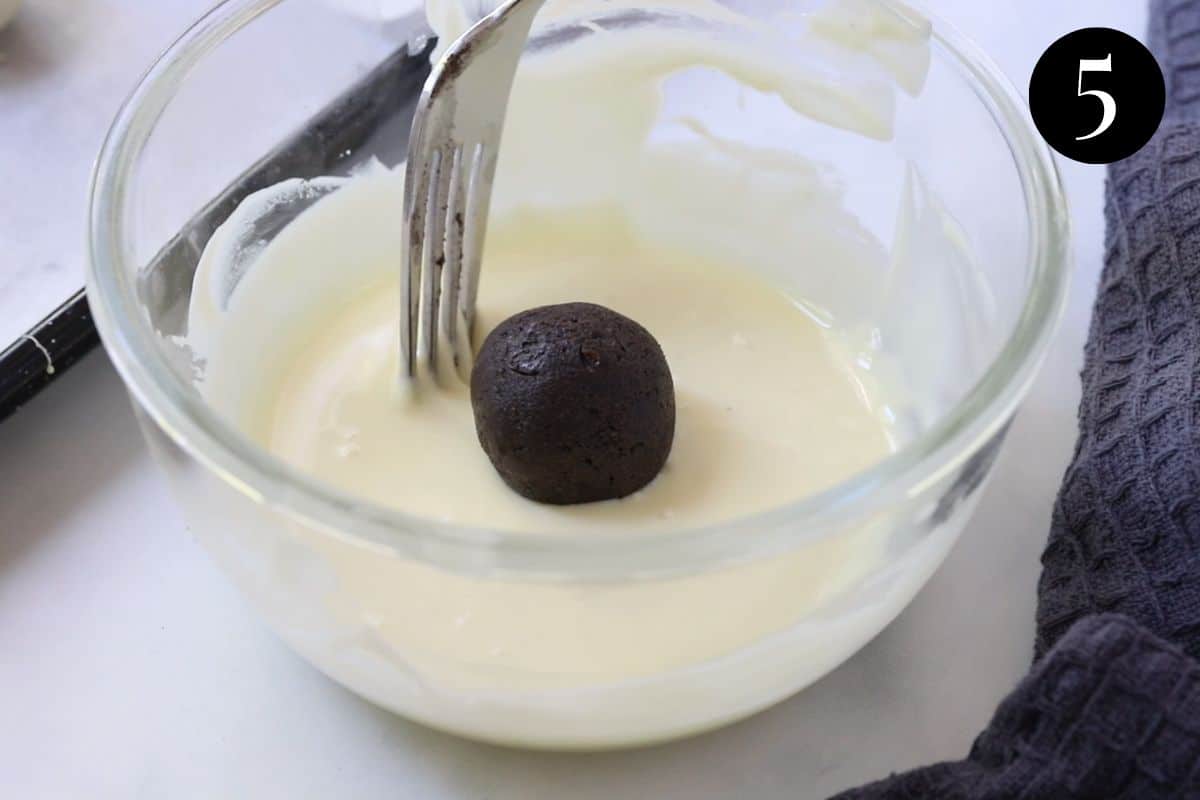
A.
pixel 1097 95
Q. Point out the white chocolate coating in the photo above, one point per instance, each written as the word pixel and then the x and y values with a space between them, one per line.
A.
pixel 744 261
pixel 753 375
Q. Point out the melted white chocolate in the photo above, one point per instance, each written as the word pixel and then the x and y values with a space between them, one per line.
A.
pixel 752 299
pixel 767 411
pixel 743 261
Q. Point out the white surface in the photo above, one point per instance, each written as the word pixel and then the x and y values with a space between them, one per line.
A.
pixel 65 65
pixel 128 668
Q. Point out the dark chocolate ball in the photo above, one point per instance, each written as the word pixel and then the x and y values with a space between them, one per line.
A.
pixel 573 403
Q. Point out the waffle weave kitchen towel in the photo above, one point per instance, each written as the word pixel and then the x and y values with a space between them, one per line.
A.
pixel 1111 708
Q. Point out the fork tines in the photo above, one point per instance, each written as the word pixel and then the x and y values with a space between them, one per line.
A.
pixel 442 224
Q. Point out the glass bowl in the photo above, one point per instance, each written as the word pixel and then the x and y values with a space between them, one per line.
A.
pixel 639 638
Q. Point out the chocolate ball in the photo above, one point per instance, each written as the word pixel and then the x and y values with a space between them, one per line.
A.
pixel 573 403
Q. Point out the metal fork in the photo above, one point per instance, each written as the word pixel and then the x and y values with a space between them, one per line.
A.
pixel 452 158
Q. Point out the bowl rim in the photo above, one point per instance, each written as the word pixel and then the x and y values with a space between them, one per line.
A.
pixel 264 479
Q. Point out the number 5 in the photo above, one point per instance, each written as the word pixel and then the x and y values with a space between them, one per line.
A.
pixel 1106 99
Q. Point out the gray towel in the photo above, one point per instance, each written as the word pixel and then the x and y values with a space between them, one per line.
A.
pixel 1111 709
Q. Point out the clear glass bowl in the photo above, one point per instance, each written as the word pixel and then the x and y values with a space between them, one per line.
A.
pixel 248 76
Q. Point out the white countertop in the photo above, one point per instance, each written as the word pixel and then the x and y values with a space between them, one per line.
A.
pixel 130 668
pixel 65 65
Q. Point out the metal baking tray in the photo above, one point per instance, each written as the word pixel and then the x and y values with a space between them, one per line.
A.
pixel 376 114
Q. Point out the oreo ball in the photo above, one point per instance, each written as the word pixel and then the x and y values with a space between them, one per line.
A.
pixel 573 404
